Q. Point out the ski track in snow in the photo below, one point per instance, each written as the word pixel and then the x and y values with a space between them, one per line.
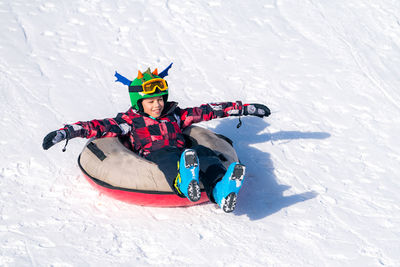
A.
pixel 322 172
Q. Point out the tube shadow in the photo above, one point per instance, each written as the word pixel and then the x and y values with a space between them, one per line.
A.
pixel 261 194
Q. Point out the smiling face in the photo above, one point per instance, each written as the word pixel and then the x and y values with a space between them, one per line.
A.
pixel 153 106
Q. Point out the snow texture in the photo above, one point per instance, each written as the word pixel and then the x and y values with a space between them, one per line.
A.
pixel 322 185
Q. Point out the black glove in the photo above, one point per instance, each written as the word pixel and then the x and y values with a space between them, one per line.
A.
pixel 68 132
pixel 258 110
pixel 54 137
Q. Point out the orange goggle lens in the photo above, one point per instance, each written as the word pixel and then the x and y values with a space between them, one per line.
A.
pixel 151 86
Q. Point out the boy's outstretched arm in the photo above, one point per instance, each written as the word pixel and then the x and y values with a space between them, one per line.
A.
pixel 120 125
pixel 221 110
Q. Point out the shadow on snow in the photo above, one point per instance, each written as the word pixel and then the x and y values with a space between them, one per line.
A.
pixel 261 194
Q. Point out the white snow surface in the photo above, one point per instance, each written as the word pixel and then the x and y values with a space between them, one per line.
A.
pixel 322 185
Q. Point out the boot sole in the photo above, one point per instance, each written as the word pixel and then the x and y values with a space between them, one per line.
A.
pixel 229 203
pixel 194 192
pixel 191 159
pixel 238 172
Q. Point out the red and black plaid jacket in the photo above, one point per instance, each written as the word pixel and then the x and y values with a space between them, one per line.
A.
pixel 146 134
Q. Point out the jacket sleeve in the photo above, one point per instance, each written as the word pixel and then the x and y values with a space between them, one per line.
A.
pixel 210 111
pixel 120 125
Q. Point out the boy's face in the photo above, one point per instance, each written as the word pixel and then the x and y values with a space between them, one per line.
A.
pixel 153 106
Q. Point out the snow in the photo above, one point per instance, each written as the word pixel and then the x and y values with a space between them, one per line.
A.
pixel 321 187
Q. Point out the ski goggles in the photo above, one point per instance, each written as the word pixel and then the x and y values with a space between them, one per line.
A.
pixel 150 86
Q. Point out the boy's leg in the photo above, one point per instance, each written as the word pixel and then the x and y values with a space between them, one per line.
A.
pixel 187 182
pixel 180 170
pixel 221 185
pixel 226 190
pixel 211 169
pixel 167 160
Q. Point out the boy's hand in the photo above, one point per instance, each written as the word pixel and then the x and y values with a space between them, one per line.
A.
pixel 258 110
pixel 68 132
pixel 54 137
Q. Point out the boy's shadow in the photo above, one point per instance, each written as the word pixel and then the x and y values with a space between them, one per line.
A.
pixel 261 194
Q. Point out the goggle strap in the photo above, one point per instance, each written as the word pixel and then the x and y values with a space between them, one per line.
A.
pixel 135 89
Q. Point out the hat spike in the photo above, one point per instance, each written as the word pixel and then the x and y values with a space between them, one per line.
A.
pixel 165 72
pixel 122 79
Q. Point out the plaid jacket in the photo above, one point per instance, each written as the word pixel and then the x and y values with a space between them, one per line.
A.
pixel 143 134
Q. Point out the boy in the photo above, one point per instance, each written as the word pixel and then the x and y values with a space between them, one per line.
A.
pixel 152 127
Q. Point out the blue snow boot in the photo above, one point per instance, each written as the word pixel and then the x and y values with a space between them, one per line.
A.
pixel 225 191
pixel 187 181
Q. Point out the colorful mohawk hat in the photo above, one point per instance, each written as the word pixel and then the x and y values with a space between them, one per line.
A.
pixel 146 85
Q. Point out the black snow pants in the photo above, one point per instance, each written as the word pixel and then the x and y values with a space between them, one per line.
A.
pixel 211 167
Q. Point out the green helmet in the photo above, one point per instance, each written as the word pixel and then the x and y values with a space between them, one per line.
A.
pixel 147 84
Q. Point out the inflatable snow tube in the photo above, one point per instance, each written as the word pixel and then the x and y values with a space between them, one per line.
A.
pixel 121 174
